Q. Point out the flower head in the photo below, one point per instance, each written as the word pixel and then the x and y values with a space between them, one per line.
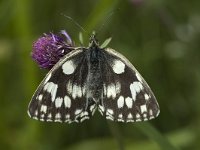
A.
pixel 48 49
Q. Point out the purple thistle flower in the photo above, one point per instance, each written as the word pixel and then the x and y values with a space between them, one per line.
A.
pixel 48 50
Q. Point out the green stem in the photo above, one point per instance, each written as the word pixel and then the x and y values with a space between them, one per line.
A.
pixel 115 130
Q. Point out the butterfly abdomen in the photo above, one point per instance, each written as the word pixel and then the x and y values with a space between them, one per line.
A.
pixel 94 80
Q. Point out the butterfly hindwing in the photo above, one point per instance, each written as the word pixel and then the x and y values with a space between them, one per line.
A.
pixel 61 95
pixel 126 96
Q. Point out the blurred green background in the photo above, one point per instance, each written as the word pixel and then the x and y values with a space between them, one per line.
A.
pixel 162 40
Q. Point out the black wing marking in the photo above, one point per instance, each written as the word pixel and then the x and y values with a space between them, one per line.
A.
pixel 60 97
pixel 126 96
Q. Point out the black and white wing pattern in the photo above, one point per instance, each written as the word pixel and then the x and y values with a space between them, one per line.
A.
pixel 60 97
pixel 90 78
pixel 126 96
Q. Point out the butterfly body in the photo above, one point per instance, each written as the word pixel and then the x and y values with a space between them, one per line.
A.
pixel 93 78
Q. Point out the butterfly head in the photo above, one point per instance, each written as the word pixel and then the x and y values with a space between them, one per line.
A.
pixel 93 41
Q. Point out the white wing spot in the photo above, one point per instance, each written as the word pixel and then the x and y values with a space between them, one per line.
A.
pixel 143 108
pixel 111 91
pixel 53 92
pixel 118 87
pixel 76 92
pixel 48 86
pixel 137 115
pixel 84 113
pixel 36 112
pixel 92 108
pixel 43 108
pixel 49 120
pixel 139 119
pixel 129 102
pixel 145 115
pixel 120 102
pixel 49 116
pixel 42 116
pixel 67 116
pixel 51 88
pixel 84 118
pixel 130 116
pixel 101 109
pixel 131 120
pixel 69 87
pixel 135 87
pixel 40 97
pixel 133 92
pixel 79 91
pixel 110 117
pixel 150 112
pixel 109 112
pixel 151 117
pixel 83 90
pixel 146 96
pixel 58 117
pixel 36 118
pixel 67 101
pixel 42 119
pixel 68 67
pixel 58 102
pixel 78 111
pixel 118 67
pixel 120 120
pixel 120 116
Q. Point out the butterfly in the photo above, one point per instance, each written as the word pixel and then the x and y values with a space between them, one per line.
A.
pixel 89 79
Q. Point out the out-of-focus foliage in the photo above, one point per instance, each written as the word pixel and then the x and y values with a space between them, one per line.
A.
pixel 161 38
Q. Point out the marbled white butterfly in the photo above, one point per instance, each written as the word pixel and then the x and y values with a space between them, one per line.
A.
pixel 93 78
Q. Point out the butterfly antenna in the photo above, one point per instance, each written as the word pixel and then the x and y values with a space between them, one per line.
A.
pixel 107 19
pixel 75 22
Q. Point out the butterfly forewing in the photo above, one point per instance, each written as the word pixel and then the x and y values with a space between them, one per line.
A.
pixel 126 96
pixel 61 96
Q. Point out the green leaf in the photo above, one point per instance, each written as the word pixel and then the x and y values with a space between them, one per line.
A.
pixel 155 135
pixel 81 38
pixel 106 42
